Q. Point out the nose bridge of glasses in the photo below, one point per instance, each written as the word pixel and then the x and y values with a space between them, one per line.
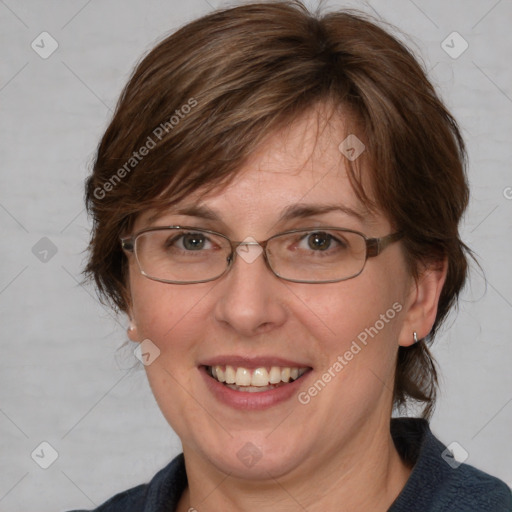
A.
pixel 248 250
pixel 247 241
pixel 237 244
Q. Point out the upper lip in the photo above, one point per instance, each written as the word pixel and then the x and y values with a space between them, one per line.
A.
pixel 252 362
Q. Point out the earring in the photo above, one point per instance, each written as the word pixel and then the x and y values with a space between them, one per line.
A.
pixel 415 337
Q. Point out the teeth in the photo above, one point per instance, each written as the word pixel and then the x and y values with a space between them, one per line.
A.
pixel 221 375
pixel 243 377
pixel 257 379
pixel 275 375
pixel 230 375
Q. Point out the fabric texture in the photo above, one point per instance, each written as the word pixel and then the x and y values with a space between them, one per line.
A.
pixel 437 483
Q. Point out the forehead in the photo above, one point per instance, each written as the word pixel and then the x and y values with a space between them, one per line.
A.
pixel 298 170
pixel 310 143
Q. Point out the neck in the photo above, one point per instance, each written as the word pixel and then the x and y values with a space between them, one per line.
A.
pixel 364 476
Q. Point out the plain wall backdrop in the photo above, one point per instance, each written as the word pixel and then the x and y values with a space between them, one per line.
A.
pixel 64 379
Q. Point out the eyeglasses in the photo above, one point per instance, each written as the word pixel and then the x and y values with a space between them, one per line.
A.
pixel 187 255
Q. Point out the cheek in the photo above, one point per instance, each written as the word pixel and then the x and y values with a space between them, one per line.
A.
pixel 357 323
pixel 339 312
pixel 171 316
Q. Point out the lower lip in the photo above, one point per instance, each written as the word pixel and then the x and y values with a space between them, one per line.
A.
pixel 251 401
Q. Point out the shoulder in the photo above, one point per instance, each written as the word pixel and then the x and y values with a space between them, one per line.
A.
pixel 126 501
pixel 161 493
pixel 438 482
pixel 472 489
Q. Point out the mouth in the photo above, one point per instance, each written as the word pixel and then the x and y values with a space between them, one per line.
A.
pixel 255 380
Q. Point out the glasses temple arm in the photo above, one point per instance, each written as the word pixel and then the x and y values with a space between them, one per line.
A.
pixel 375 246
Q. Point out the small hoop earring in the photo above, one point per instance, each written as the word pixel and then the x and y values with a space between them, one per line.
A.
pixel 415 337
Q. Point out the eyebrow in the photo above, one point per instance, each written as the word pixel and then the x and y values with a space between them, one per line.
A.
pixel 309 210
pixel 202 212
pixel 289 213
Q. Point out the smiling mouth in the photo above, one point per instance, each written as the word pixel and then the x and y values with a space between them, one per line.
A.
pixel 255 380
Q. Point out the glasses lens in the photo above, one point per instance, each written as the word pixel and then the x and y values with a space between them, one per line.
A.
pixel 181 255
pixel 317 255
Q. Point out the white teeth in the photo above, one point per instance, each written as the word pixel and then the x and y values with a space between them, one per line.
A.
pixel 275 375
pixel 258 379
pixel 221 375
pixel 243 377
pixel 230 375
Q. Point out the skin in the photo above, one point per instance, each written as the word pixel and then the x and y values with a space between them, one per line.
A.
pixel 334 453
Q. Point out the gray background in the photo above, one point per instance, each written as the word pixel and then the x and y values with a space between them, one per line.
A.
pixel 64 378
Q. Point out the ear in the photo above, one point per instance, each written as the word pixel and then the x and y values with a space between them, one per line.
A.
pixel 424 299
pixel 132 330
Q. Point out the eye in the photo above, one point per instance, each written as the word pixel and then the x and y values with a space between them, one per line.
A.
pixel 190 242
pixel 321 241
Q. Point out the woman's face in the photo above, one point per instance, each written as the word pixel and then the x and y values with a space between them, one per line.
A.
pixel 346 334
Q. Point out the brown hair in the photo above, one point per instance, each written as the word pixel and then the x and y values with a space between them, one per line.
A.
pixel 205 97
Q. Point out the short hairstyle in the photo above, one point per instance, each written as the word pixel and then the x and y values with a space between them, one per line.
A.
pixel 204 99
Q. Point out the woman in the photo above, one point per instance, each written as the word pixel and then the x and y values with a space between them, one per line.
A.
pixel 276 205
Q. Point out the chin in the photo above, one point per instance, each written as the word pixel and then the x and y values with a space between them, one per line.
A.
pixel 257 456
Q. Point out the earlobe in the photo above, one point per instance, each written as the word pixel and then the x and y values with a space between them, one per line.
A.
pixel 422 310
pixel 132 331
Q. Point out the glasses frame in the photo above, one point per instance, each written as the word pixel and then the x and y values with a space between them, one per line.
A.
pixel 374 246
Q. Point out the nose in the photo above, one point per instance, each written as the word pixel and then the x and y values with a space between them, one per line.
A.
pixel 249 294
